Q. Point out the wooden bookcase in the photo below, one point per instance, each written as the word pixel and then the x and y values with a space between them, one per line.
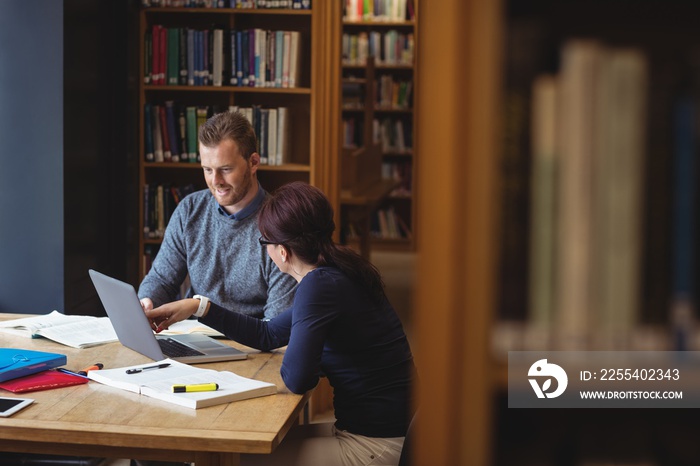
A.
pixel 311 104
pixel 465 418
pixel 393 105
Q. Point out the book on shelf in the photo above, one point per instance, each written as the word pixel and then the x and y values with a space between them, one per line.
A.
pixel 260 57
pixel 377 11
pixel 271 43
pixel 586 222
pixel 190 57
pixel 279 57
pixel 182 62
pixel 148 132
pixel 233 51
pixel 158 144
pixel 182 133
pixel 391 135
pixel 162 56
pixel 158 383
pixel 173 140
pixel 160 201
pixel 286 56
pixel 271 136
pixel 401 173
pixel 387 224
pixel 192 149
pixel 173 50
pixel 684 226
pixel 542 198
pixel 391 48
pixel 165 138
pixel 262 120
pixel 198 58
pixel 207 57
pixel 218 58
pixel 155 54
pixel 256 56
pixel 576 145
pixel 271 127
pixel 618 176
pixel 240 66
pixel 147 56
pixel 160 212
pixel 73 331
pixel 283 136
pixel 294 58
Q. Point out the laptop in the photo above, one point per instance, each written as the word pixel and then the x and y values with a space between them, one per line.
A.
pixel 134 331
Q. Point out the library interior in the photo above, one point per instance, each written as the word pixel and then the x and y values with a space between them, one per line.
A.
pixel 521 172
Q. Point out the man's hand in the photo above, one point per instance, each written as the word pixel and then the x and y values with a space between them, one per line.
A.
pixel 163 317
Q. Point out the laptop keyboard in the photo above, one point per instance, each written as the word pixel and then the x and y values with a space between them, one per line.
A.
pixel 174 349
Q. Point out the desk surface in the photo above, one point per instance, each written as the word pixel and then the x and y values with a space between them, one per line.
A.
pixel 97 420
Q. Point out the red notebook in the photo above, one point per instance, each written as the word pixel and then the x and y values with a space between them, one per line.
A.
pixel 45 380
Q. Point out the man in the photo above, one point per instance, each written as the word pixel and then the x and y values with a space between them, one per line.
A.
pixel 213 234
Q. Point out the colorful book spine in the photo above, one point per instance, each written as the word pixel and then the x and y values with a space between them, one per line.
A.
pixel 148 132
pixel 172 132
pixel 167 155
pixel 191 116
pixel 190 57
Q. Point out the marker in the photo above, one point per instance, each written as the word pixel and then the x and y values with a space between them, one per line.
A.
pixel 95 367
pixel 137 370
pixel 197 387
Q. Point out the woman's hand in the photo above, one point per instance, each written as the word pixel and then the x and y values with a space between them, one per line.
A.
pixel 163 317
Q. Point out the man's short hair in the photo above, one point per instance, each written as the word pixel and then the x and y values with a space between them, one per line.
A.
pixel 229 125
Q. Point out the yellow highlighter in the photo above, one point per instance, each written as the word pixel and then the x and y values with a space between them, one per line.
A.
pixel 197 387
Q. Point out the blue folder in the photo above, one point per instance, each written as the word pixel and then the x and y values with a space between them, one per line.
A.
pixel 17 362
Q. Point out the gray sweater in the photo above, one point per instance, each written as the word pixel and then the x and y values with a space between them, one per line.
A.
pixel 223 257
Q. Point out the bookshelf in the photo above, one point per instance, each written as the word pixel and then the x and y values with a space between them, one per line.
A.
pixel 390 37
pixel 308 100
pixel 489 50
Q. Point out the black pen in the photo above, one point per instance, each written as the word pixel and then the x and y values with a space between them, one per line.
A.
pixel 159 366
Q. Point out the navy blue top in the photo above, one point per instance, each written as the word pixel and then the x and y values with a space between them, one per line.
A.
pixel 334 329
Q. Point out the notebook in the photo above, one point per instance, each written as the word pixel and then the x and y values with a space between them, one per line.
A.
pixel 17 362
pixel 134 331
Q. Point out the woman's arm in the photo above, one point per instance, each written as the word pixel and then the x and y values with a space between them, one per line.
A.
pixel 315 309
pixel 264 335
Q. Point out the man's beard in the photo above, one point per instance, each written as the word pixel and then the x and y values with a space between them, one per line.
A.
pixel 238 193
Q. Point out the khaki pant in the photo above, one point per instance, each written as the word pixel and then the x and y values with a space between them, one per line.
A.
pixel 324 445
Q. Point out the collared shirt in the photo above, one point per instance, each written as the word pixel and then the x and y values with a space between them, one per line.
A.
pixel 248 210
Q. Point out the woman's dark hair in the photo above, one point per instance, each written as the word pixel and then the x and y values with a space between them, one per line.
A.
pixel 299 217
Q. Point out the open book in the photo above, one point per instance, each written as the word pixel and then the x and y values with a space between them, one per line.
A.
pixel 75 331
pixel 157 382
pixel 85 331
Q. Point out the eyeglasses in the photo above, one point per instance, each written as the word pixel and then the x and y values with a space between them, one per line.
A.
pixel 264 242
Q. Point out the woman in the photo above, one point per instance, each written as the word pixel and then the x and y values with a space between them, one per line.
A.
pixel 340 325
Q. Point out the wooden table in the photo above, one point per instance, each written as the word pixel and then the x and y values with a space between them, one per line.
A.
pixel 359 208
pixel 97 420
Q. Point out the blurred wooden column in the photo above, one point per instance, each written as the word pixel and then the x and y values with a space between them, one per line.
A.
pixel 459 49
